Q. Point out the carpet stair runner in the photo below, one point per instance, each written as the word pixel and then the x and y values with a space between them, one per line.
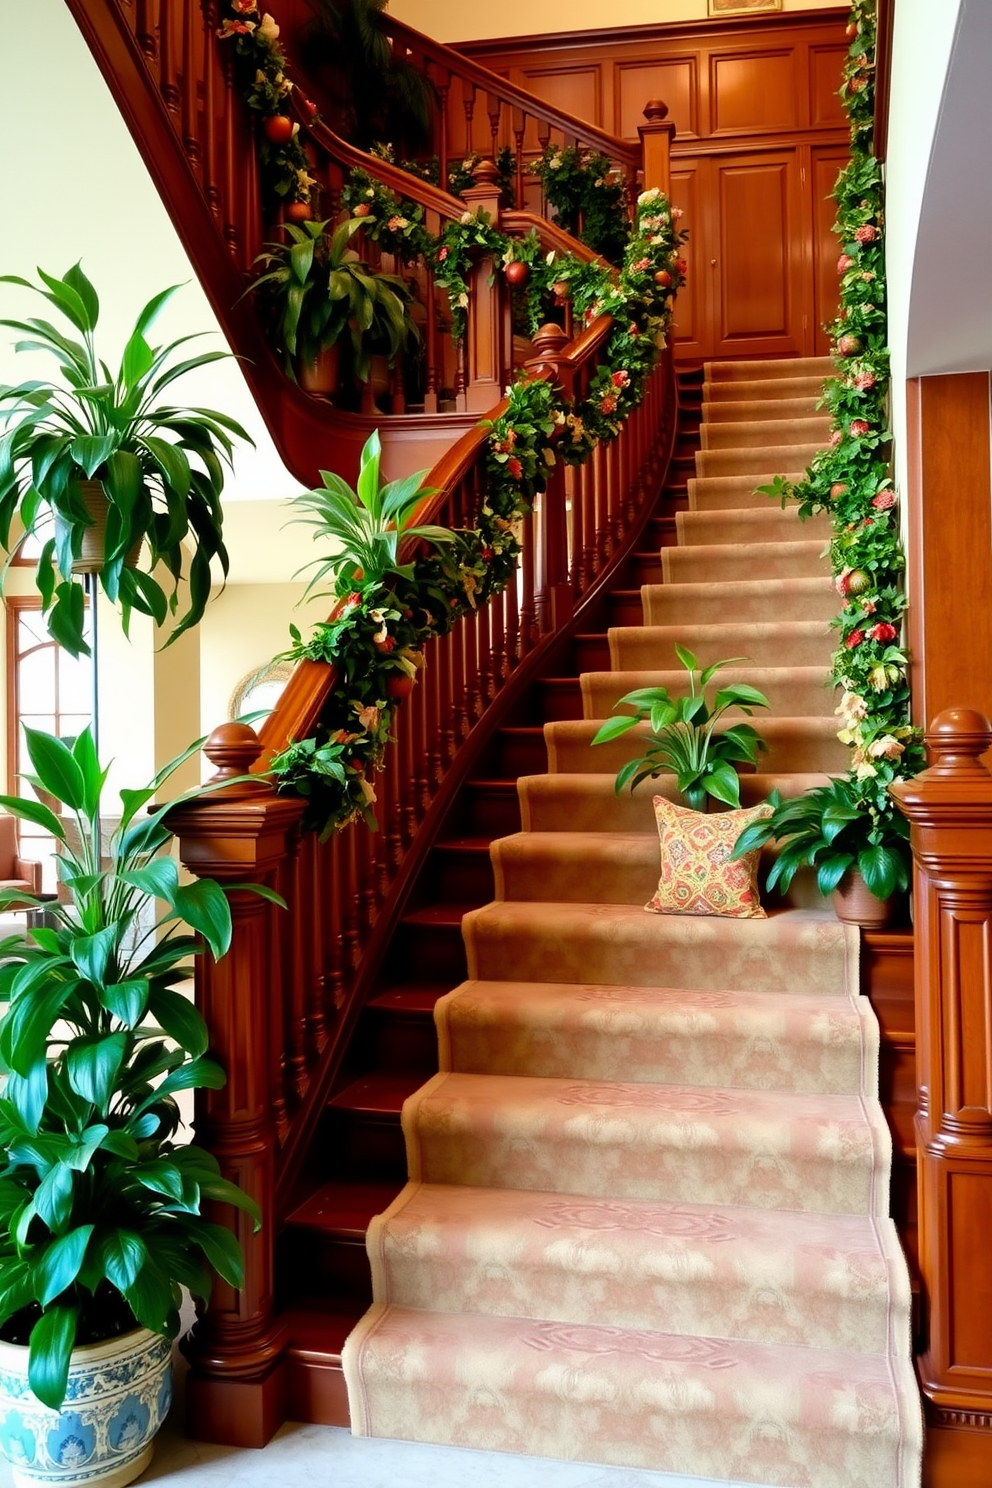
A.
pixel 647 1216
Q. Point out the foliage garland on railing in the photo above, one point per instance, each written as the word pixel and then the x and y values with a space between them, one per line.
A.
pixel 851 478
pixel 376 643
pixel 588 195
pixel 262 76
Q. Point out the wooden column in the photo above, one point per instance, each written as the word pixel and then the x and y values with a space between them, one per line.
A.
pixel 486 290
pixel 949 540
pixel 554 602
pixel 656 146
pixel 949 808
pixel 240 834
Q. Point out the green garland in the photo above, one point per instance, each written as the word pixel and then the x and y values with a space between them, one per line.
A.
pixel 377 642
pixel 851 478
pixel 265 84
pixel 588 197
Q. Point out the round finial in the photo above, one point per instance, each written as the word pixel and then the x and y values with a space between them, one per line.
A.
pixel 484 173
pixel 549 340
pixel 233 748
pixel 957 739
pixel 655 111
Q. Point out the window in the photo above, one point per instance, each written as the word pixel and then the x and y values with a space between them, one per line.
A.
pixel 46 689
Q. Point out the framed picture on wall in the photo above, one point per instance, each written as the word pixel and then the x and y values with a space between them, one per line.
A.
pixel 740 7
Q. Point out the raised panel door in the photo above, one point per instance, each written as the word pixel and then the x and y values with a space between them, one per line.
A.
pixel 758 255
pixel 692 315
pixel 826 163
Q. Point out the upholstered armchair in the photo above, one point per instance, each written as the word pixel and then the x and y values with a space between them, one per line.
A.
pixel 16 872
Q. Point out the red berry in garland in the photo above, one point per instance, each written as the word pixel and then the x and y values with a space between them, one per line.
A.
pixel 516 272
pixel 278 128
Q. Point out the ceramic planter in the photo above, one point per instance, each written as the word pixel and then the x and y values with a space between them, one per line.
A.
pixel 117 1398
pixel 322 374
pixel 855 904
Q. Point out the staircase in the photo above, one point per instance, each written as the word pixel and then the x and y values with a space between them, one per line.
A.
pixel 646 1222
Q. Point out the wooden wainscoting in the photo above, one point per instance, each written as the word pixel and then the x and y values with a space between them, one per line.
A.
pixel 760 137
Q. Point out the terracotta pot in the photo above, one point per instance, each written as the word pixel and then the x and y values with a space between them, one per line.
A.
pixel 855 904
pixel 91 557
pixel 321 375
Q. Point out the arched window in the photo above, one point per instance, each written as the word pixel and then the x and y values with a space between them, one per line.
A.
pixel 46 689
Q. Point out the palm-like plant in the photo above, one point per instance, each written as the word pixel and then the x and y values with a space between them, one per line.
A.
pixel 100 1206
pixel 367 524
pixel 319 288
pixel 684 738
pixel 160 467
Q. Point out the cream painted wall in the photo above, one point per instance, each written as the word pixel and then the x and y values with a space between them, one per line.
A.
pixel 446 22
pixel 922 41
pixel 242 629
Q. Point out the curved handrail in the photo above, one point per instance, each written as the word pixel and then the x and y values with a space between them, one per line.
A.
pixel 589 135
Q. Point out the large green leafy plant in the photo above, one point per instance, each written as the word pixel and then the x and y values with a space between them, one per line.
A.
pixel 100 1205
pixel 161 467
pixel 684 740
pixel 834 828
pixel 366 525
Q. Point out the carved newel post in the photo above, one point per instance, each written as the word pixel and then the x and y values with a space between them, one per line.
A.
pixel 553 600
pixel 949 808
pixel 240 834
pixel 486 297
pixel 656 146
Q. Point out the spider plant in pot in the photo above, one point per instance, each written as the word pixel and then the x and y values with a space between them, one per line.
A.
pixel 94 455
pixel 858 846
pixel 101 1217
pixel 684 739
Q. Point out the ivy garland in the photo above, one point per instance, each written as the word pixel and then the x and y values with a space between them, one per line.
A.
pixel 851 478
pixel 261 71
pixel 588 196
pixel 377 641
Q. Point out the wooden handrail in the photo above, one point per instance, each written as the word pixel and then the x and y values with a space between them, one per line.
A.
pixel 623 152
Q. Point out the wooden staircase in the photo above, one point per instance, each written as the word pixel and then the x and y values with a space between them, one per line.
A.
pixel 356 1162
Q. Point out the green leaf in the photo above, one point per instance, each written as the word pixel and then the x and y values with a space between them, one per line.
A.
pixel 723 782
pixel 177 1017
pixel 92 1065
pixel 883 870
pixel 127 1000
pixel 34 811
pixel 92 953
pixel 203 905
pixel 222 1250
pixel 28 1094
pixel 52 1340
pixel 686 657
pixel 162 1178
pixel 151 1299
pixel 61 1262
pixel 160 878
pixel 123 1254
pixel 53 1196
pixel 830 872
pixel 613 728
pixel 55 766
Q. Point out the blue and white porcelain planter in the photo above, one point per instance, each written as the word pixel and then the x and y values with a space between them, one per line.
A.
pixel 118 1396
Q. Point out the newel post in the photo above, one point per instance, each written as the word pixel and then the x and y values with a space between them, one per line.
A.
pixel 553 601
pixel 949 807
pixel 656 146
pixel 486 289
pixel 240 834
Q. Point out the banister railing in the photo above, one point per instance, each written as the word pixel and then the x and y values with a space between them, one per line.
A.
pixel 508 115
pixel 282 1006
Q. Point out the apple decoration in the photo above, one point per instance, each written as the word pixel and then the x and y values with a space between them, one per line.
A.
pixel 663 277
pixel 848 345
pixel 516 272
pixel 299 211
pixel 278 128
pixel 398 686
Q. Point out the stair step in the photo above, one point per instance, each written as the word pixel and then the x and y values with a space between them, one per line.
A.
pixel 491 807
pixel 740 370
pixel 774 389
pixel 763 433
pixel 343 1210
pixel 791 691
pixel 521 747
pixel 763 462
pixel 801 746
pixel 523 1375
pixel 720 492
pixel 464 869
pixel 776 644
pixel 559 697
pixel 718 563
pixel 625 607
pixel 665 1266
pixel 736 410
pixel 745 601
pixel 360 1127
pixel 400 1020
pixel 589 652
pixel 428 945
pixel 750 525
pixel 683 1144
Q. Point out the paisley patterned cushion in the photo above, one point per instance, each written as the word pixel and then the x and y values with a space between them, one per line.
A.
pixel 697 876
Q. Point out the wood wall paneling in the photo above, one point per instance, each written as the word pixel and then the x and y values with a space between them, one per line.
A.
pixel 753 92
pixel 950 543
pixel 761 254
pixel 675 79
pixel 826 163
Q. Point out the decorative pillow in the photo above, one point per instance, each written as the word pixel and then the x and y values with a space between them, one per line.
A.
pixel 697 876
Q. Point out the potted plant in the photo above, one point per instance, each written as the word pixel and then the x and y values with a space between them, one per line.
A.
pixel 684 740
pixel 90 454
pixel 318 288
pixel 858 847
pixel 100 1201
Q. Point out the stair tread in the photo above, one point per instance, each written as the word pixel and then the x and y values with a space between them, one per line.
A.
pixel 318 1327
pixel 409 997
pixel 444 914
pixel 343 1208
pixel 377 1093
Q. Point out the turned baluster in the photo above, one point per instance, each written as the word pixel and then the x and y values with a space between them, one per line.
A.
pixel 167 52
pixel 554 592
pixel 145 29
pixel 231 134
pixel 329 889
pixel 312 865
pixel 519 129
pixel 528 609
pixel 192 33
pixel 468 107
pixel 211 68
pixel 494 108
pixel 350 898
pixel 242 832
